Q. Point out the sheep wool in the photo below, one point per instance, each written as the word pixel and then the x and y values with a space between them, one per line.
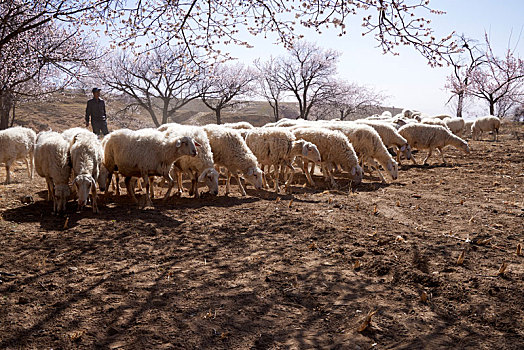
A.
pixel 17 143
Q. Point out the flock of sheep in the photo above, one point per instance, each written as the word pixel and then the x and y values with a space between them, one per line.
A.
pixel 77 160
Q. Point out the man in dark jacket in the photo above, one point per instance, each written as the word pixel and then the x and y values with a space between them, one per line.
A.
pixel 96 109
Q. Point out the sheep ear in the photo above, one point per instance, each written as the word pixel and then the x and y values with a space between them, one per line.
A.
pixel 178 143
pixel 250 171
pixel 203 175
pixel 197 144
pixel 353 171
pixel 403 148
pixel 390 166
pixel 305 150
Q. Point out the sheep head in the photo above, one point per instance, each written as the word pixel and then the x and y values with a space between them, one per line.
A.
pixel 210 177
pixel 186 146
pixel 83 184
pixel 253 175
pixel 310 151
pixel 62 193
pixel 392 168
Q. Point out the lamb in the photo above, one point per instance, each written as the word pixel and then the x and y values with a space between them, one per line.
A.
pixel 200 168
pixel 278 146
pixel 390 137
pixel 144 153
pixel 369 146
pixel 15 144
pixel 238 125
pixel 231 151
pixel 487 123
pixel 335 149
pixel 430 137
pixel 53 162
pixel 86 157
pixel 455 125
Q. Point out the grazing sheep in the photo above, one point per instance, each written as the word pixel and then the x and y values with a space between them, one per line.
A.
pixel 231 151
pixel 487 123
pixel 52 161
pixel 467 127
pixel 16 144
pixel 200 168
pixel 86 157
pixel 69 134
pixel 335 149
pixel 278 146
pixel 455 125
pixel 238 125
pixel 434 121
pixel 430 137
pixel 369 147
pixel 390 137
pixel 144 153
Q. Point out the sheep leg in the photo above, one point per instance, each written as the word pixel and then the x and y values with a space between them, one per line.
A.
pixel 50 189
pixel 152 186
pixel 264 179
pixel 145 178
pixel 290 178
pixel 495 134
pixel 277 175
pixel 93 199
pixel 26 161
pixel 130 189
pixel 330 176
pixel 240 186
pixel 7 173
pixel 180 184
pixel 427 157
pixel 32 163
pixel 117 184
pixel 312 168
pixel 374 166
pixel 309 178
pixel 228 182
pixel 442 155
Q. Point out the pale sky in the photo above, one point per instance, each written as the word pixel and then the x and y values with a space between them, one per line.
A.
pixel 408 79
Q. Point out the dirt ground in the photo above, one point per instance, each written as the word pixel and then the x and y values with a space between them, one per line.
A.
pixel 276 272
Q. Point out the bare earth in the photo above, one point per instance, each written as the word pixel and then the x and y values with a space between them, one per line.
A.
pixel 276 272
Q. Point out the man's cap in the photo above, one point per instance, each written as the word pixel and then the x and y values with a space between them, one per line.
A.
pixel 95 90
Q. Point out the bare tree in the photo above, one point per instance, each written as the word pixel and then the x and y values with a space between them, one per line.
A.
pixel 348 101
pixel 224 85
pixel 204 25
pixel 499 81
pixel 163 79
pixel 459 81
pixel 270 86
pixel 307 73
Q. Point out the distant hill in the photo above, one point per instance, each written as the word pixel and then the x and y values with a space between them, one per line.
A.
pixel 64 110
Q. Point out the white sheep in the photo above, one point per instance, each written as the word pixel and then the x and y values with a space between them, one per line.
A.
pixel 441 116
pixel 231 151
pixel 335 149
pixel 53 162
pixel 455 125
pixel 69 134
pixel 86 157
pixel 199 168
pixel 17 143
pixel 467 127
pixel 278 147
pixel 390 137
pixel 369 147
pixel 487 123
pixel 434 121
pixel 238 125
pixel 144 153
pixel 430 137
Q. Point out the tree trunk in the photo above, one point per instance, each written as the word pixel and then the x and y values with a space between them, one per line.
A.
pixel 491 107
pixel 13 117
pixel 276 113
pixel 460 104
pixel 6 102
pixel 218 115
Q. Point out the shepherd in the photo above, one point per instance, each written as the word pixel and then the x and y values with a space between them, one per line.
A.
pixel 96 109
